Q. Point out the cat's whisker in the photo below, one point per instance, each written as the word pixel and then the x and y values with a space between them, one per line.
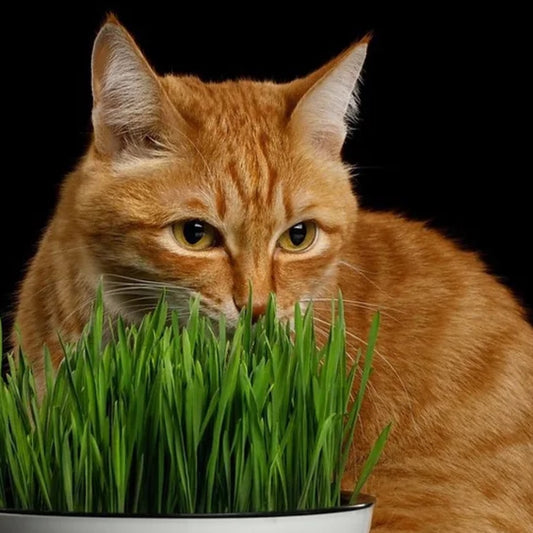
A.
pixel 133 300
pixel 132 289
pixel 135 280
pixel 148 292
pixel 350 350
pixel 77 309
pixel 352 358
pixel 347 301
pixel 387 362
pixel 135 290
pixel 156 291
pixel 128 283
pixel 89 301
pixel 181 310
pixel 362 273
pixel 138 305
pixel 144 309
pixel 356 268
pixel 69 249
pixel 321 331
pixel 355 304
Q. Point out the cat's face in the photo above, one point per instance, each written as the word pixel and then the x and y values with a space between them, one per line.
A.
pixel 232 186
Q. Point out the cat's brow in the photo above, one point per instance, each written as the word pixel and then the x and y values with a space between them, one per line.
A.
pixel 305 208
pixel 306 212
pixel 195 204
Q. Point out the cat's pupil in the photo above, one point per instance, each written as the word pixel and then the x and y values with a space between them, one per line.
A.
pixel 297 234
pixel 193 231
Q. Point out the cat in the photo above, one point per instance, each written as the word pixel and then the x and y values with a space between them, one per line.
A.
pixel 204 188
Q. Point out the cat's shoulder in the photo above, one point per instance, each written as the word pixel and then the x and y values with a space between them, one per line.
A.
pixel 413 254
pixel 401 231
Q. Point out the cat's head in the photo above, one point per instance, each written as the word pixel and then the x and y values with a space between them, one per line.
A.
pixel 206 188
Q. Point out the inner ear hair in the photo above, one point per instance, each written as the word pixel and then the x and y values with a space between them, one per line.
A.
pixel 328 106
pixel 127 95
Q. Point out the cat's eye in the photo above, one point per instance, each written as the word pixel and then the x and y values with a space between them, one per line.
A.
pixel 195 234
pixel 299 237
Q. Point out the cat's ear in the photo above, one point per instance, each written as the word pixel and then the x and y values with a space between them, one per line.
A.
pixel 126 92
pixel 327 101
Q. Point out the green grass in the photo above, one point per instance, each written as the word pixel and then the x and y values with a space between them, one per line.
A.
pixel 166 419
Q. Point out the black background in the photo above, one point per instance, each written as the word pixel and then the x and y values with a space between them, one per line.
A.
pixel 438 137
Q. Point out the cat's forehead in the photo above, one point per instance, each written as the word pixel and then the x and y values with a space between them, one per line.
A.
pixel 240 162
pixel 238 136
pixel 236 109
pixel 246 184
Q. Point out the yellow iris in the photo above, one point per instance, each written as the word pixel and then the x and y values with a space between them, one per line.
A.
pixel 195 234
pixel 299 237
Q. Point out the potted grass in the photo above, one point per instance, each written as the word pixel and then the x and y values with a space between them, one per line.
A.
pixel 166 426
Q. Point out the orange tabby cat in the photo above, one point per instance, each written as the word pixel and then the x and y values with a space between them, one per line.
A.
pixel 204 187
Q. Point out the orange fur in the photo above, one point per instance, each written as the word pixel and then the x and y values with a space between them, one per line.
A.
pixel 454 367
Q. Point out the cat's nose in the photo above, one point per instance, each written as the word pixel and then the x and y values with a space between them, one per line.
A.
pixel 258 309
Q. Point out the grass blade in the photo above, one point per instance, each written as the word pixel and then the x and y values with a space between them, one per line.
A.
pixel 163 417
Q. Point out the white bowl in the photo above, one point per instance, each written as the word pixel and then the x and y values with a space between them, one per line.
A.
pixel 346 519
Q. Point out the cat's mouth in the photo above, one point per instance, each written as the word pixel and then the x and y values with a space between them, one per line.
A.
pixel 132 297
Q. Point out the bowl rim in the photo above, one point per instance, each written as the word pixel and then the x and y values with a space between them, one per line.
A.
pixel 364 501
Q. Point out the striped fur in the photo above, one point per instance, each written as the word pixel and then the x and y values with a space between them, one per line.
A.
pixel 454 368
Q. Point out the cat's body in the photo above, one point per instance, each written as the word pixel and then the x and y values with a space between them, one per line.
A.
pixel 454 367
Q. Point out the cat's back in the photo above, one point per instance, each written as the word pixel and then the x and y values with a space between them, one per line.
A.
pixel 426 269
pixel 454 372
pixel 440 298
